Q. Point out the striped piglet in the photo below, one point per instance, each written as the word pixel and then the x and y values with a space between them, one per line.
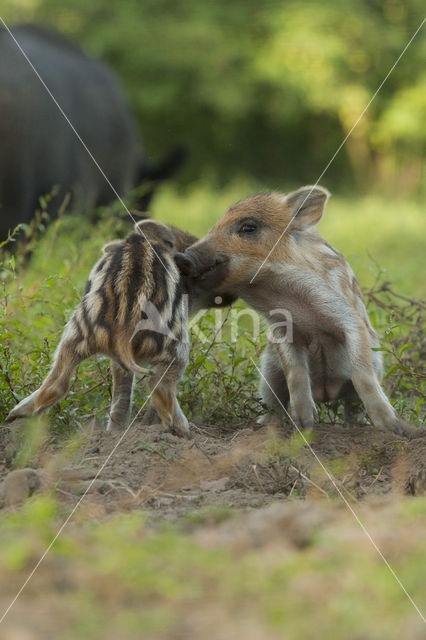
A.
pixel 134 311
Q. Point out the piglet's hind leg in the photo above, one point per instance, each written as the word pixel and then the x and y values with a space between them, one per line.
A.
pixel 55 386
pixel 121 405
pixel 163 397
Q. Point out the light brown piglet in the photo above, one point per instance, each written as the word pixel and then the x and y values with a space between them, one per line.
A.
pixel 279 263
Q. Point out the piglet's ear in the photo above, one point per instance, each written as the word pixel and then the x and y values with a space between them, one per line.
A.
pixel 307 205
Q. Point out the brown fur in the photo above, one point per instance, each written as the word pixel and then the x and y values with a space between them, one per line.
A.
pixel 331 354
pixel 134 278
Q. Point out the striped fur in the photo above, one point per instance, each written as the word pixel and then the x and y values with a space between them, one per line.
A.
pixel 134 310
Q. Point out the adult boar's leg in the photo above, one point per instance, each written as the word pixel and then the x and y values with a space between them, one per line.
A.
pixel 294 361
pixel 366 383
pixel 122 393
pixel 163 397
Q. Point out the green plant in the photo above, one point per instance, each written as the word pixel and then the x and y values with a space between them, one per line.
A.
pixel 400 321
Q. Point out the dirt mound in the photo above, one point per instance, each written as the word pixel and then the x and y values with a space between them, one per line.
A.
pixel 254 516
pixel 241 467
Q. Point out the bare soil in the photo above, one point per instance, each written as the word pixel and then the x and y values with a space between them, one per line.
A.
pixel 270 478
pixel 242 466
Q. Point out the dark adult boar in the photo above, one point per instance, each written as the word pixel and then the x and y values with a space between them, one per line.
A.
pixel 38 148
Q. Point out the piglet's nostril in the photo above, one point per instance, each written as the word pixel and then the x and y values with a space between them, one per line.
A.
pixel 221 258
pixel 185 264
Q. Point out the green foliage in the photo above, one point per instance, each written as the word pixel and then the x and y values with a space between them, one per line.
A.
pixel 219 385
pixel 119 578
pixel 264 89
pixel 282 449
pixel 402 342
pixel 32 439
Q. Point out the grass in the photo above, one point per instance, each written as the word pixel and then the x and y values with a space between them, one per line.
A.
pixel 120 578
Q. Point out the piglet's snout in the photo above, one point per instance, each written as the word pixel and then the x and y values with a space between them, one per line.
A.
pixel 185 264
pixel 197 263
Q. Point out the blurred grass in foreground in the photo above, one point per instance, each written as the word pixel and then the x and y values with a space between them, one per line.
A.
pixel 118 578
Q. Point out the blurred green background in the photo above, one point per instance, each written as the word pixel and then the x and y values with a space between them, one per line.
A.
pixel 262 94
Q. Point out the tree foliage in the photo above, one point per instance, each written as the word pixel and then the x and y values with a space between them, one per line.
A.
pixel 268 88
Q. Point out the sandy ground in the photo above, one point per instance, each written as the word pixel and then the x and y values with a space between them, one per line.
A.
pixel 277 488
pixel 242 466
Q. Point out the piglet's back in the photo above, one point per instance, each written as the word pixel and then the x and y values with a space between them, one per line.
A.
pixel 132 276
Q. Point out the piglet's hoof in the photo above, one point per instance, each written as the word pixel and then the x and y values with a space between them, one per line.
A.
pixel 269 419
pixel 302 424
pixel 180 426
pixel 303 416
pixel 11 417
pixel 180 431
pixel 25 408
pixel 399 427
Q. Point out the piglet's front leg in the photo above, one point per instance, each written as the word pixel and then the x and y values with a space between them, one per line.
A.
pixel 294 361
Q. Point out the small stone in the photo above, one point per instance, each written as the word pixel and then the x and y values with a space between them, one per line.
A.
pixel 215 485
pixel 19 485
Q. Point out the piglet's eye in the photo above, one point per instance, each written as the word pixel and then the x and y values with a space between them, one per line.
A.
pixel 248 227
pixel 168 244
